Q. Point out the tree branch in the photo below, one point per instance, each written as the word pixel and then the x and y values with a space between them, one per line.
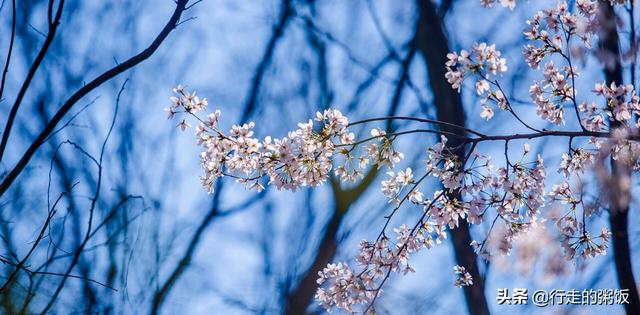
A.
pixel 32 71
pixel 106 76
pixel 6 65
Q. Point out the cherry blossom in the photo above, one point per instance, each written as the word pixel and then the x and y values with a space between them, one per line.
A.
pixel 464 278
pixel 514 193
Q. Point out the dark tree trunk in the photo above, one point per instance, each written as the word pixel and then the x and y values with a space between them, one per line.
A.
pixel 432 42
pixel 618 213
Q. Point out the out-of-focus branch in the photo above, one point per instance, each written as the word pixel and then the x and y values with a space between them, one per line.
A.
pixel 433 44
pixel 6 64
pixel 325 94
pixel 66 176
pixel 254 89
pixel 31 272
pixel 618 211
pixel 404 77
pixel 378 25
pixel 300 298
pixel 80 249
pixel 19 266
pixel 161 294
pixel 163 291
pixel 53 26
pixel 86 89
pixel 366 84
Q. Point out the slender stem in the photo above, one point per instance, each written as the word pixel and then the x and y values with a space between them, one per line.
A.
pixel 567 56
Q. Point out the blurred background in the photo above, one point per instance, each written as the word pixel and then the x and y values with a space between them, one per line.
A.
pixel 160 244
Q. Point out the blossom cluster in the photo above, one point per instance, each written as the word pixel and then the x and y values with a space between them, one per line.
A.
pixel 512 196
pixel 515 194
pixel 623 147
pixel 622 104
pixel 576 240
pixel 473 188
pixel 511 4
pixel 347 288
pixel 581 4
pixel 529 249
pixel 551 94
pixel 303 158
pixel 464 278
pixel 185 102
pixel 551 30
pixel 481 61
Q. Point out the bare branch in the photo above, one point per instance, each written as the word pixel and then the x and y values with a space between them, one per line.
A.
pixel 106 76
